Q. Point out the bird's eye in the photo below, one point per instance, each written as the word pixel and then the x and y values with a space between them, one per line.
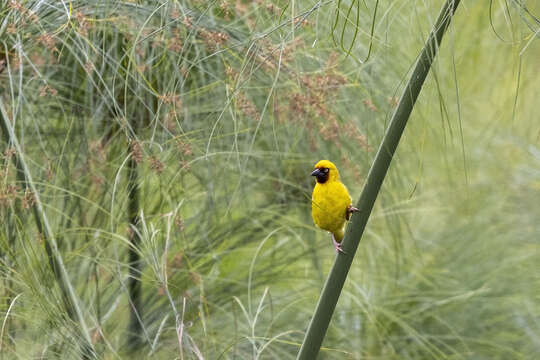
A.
pixel 325 170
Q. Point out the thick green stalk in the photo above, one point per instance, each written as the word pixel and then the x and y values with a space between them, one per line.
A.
pixel 135 266
pixel 135 118
pixel 338 274
pixel 51 248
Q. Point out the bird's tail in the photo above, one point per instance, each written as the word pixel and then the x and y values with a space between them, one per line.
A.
pixel 338 235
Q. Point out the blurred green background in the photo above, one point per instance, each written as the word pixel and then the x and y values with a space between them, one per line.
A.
pixel 223 108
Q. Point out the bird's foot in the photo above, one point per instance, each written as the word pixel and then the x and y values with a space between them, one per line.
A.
pixel 337 246
pixel 351 209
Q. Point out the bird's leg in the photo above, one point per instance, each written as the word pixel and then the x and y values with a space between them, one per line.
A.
pixel 350 209
pixel 337 245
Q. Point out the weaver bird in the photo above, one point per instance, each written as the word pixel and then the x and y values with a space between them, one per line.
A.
pixel 331 204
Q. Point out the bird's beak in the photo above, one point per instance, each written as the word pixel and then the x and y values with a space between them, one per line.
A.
pixel 316 172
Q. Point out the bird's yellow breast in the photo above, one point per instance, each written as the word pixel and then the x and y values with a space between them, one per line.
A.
pixel 329 206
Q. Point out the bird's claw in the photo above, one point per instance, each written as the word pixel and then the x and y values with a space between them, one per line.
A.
pixel 337 246
pixel 339 249
pixel 351 209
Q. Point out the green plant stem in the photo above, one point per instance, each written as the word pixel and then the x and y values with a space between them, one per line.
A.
pixel 135 266
pixel 51 247
pixel 338 274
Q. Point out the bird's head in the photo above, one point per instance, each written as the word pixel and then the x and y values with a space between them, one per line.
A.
pixel 325 171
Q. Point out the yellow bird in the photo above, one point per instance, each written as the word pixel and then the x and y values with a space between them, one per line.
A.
pixel 331 204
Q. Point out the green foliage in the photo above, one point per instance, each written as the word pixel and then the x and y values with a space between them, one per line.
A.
pixel 234 101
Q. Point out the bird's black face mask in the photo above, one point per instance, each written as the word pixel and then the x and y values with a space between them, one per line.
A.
pixel 321 174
